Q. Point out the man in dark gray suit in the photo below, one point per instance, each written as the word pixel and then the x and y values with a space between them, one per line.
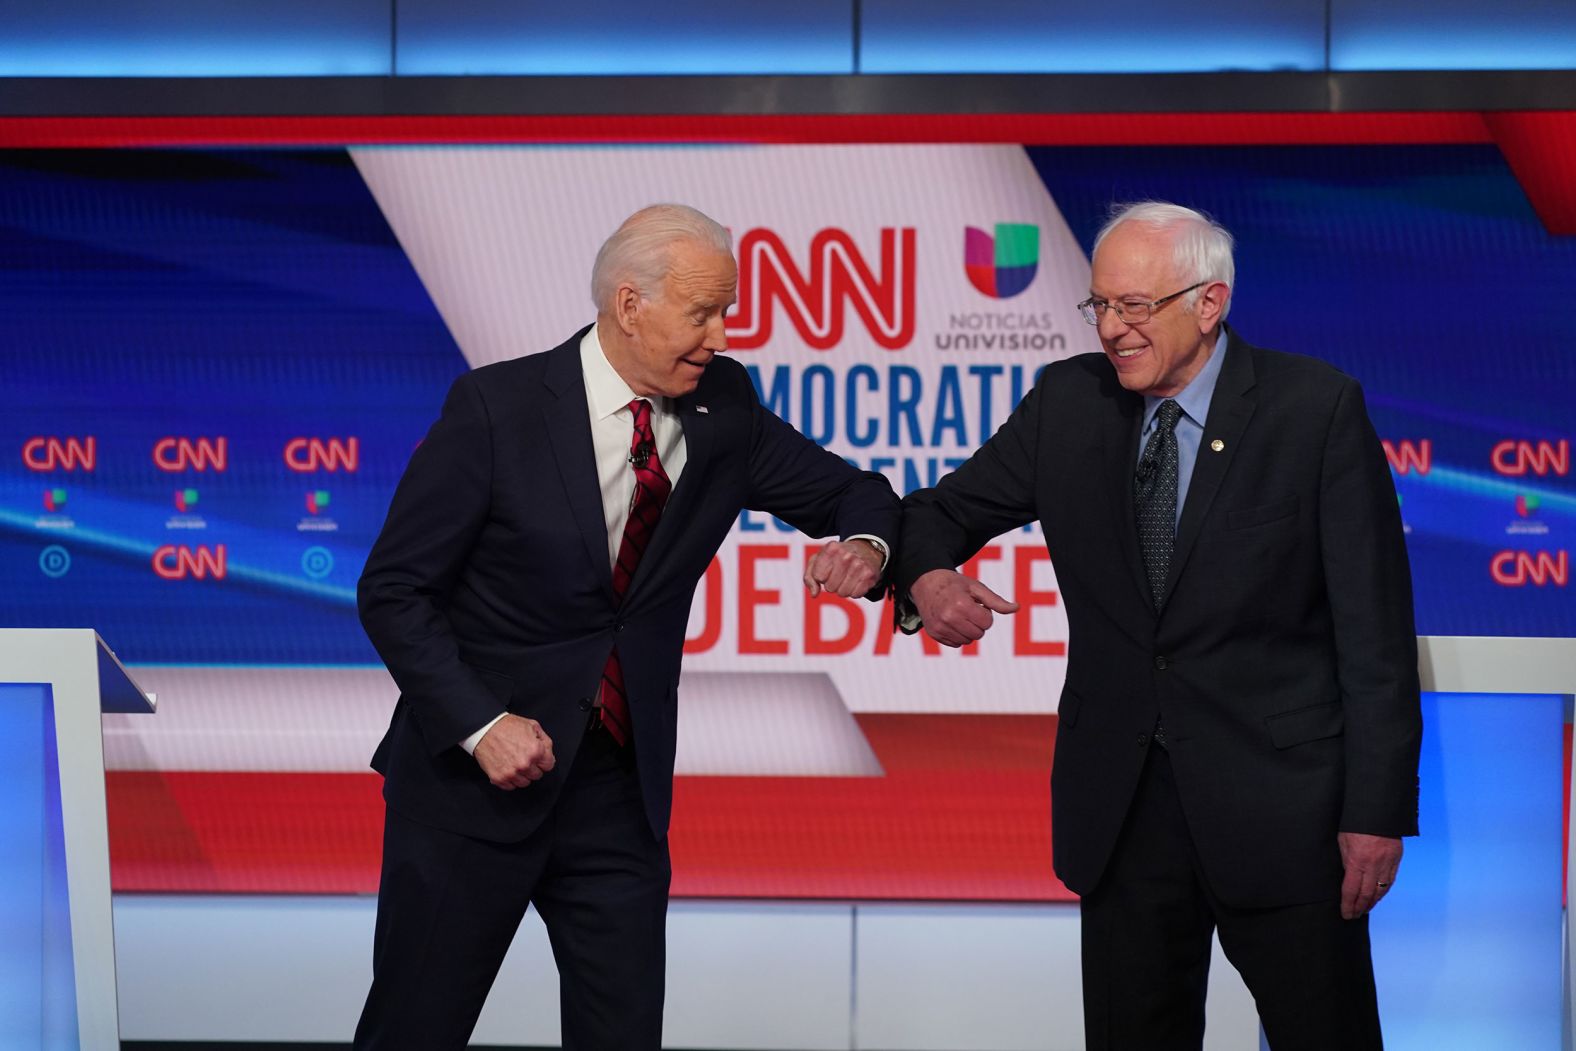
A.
pixel 529 593
pixel 1238 737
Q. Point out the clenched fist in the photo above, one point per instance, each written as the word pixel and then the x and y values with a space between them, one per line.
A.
pixel 515 752
pixel 844 567
pixel 956 609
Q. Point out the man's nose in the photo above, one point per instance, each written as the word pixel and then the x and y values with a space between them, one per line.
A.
pixel 716 335
pixel 1111 326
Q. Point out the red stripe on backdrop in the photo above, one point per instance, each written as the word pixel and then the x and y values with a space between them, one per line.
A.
pixel 962 813
pixel 244 833
pixel 1541 150
pixel 1071 129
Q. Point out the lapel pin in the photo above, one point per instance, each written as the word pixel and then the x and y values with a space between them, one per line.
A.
pixel 1217 445
pixel 703 410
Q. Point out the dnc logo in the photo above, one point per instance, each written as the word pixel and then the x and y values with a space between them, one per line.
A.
pixel 1004 265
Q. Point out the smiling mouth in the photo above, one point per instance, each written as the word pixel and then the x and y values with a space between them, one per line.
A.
pixel 1128 353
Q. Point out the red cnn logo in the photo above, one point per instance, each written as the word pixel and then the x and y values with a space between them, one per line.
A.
pixel 316 454
pixel 184 454
pixel 1517 458
pixel 55 454
pixel 1514 569
pixel 1406 456
pixel 179 562
pixel 816 305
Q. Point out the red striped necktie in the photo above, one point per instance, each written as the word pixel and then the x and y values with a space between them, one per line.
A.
pixel 645 510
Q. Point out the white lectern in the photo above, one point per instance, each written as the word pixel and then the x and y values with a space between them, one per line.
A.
pixel 57 956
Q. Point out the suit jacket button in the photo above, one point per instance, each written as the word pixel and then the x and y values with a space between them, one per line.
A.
pixel 584 703
pixel 1143 740
pixel 619 626
pixel 1160 663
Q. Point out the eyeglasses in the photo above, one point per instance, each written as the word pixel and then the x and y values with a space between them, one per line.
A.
pixel 1129 311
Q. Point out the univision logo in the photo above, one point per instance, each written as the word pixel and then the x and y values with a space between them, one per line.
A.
pixel 1004 265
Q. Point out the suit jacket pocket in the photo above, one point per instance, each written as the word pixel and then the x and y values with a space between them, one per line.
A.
pixel 1263 514
pixel 1302 725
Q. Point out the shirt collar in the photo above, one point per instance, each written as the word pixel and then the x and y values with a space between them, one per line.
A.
pixel 1194 399
pixel 606 391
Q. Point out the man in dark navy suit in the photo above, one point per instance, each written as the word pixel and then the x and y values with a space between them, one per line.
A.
pixel 1238 737
pixel 529 593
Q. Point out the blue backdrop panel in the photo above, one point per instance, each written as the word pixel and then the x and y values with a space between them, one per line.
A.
pixel 1088 36
pixel 1452 34
pixel 258 296
pixel 625 37
pixel 1467 947
pixel 38 997
pixel 194 38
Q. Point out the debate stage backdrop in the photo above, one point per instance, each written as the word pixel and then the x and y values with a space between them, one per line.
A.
pixel 217 362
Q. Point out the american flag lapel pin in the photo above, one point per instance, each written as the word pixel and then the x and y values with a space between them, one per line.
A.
pixel 702 409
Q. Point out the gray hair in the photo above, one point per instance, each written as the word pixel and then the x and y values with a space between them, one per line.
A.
pixel 1201 246
pixel 638 251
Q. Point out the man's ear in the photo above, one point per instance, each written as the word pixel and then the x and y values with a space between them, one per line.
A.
pixel 626 307
pixel 1211 303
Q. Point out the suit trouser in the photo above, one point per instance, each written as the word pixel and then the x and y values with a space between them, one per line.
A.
pixel 1147 938
pixel 449 905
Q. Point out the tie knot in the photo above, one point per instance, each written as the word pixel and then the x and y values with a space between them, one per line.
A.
pixel 641 409
pixel 1170 413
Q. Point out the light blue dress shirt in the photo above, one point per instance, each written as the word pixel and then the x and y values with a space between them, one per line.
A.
pixel 1194 400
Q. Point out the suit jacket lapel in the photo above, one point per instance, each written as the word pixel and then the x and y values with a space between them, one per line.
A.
pixel 1230 409
pixel 697 452
pixel 569 432
pixel 1121 459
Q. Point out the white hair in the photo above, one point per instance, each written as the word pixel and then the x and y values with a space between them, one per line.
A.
pixel 1201 247
pixel 638 251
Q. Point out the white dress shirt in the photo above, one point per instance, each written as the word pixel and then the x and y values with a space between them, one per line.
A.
pixel 613 427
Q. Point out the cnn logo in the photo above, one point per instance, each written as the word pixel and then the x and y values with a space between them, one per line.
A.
pixel 60 454
pixel 1515 569
pixel 179 562
pixel 303 455
pixel 817 303
pixel 1518 458
pixel 187 454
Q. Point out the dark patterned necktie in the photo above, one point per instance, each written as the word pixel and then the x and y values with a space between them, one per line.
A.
pixel 1155 497
pixel 651 493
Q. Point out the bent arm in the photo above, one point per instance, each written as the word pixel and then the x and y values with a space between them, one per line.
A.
pixel 813 490
pixel 990 493
pixel 438 510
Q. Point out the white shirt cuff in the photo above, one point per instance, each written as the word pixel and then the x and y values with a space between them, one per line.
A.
pixel 470 743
